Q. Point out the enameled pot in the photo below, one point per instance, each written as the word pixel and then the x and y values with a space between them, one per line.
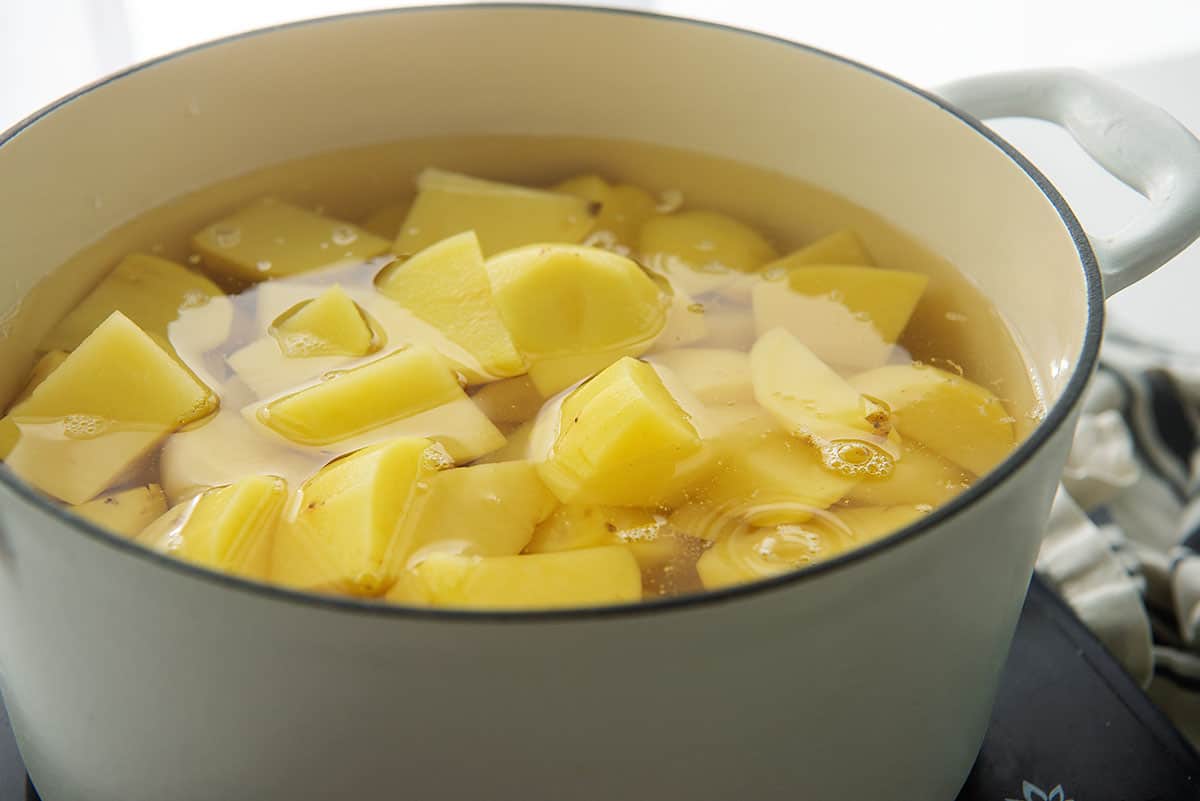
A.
pixel 132 677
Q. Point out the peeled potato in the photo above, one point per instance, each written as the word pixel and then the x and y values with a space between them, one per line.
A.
pixel 920 477
pixel 503 216
pixel 953 417
pixel 511 401
pixel 714 375
pixel 587 577
pixel 331 324
pixel 385 221
pixel 704 241
pixel 622 440
pixel 623 208
pixel 447 286
pixel 125 512
pixel 270 238
pixel 840 247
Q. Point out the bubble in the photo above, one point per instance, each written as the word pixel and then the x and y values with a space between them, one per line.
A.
pixel 775 274
pixel 668 201
pixel 227 237
pixel 84 426
pixel 263 266
pixel 343 235
pixel 437 457
pixel 193 299
pixel 956 317
pixel 194 258
pixel 856 458
pixel 602 239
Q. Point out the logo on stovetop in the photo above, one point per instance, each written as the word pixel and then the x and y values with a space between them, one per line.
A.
pixel 1034 793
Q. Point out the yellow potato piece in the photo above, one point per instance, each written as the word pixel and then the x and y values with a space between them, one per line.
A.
pixel 43 368
pixel 869 523
pixel 231 528
pixel 750 553
pixel 919 477
pixel 717 376
pixel 10 434
pixel 154 293
pixel 804 394
pixel 953 417
pixel 575 526
pixel 553 374
pixel 623 208
pixel 200 458
pixel 270 238
pixel 503 216
pixel 267 371
pixel 825 326
pixel 126 512
pixel 109 402
pixel 622 441
pixel 885 298
pixel 704 241
pixel 355 519
pixel 391 388
pixel 509 402
pixel 447 286
pixel 330 324
pixel 385 221
pixel 840 247
pixel 588 577
pixel 761 475
pixel 481 510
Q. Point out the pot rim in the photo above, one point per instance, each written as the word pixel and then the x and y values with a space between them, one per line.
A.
pixel 1056 416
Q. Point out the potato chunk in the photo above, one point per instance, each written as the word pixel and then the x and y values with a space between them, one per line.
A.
pixel 110 401
pixel 394 387
pixel 270 238
pixel 356 518
pixel 623 208
pixel 804 394
pixel 154 293
pixel 953 417
pixel 885 298
pixel 840 247
pixel 574 309
pixel 575 526
pixel 622 440
pixel 503 216
pixel 447 286
pixel 330 324
pixel 126 512
pixel 481 510
pixel 714 375
pixel 920 477
pixel 230 528
pixel 385 221
pixel 704 241
pixel 588 577
pixel 509 402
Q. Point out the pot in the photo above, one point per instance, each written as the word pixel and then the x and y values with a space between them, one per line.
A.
pixel 132 677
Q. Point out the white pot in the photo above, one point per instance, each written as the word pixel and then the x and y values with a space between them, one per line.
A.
pixel 131 677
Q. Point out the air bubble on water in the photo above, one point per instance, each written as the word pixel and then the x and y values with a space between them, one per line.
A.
pixel 1007 419
pixel 263 266
pixel 1037 413
pixel 343 235
pixel 775 273
pixel 422 485
pixel 862 316
pixel 461 378
pixel 194 258
pixel 84 426
pixel 855 458
pixel 924 508
pixel 956 317
pixel 437 457
pixel 227 237
pixel 602 239
pixel 668 201
pixel 193 299
pixel 303 343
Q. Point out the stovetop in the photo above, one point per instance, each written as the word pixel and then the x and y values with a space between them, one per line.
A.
pixel 1069 725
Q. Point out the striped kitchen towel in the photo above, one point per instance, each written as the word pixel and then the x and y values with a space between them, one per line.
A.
pixel 1123 543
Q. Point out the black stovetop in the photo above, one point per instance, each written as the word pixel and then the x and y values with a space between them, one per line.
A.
pixel 1069 725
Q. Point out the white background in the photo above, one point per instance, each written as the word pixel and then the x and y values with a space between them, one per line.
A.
pixel 49 47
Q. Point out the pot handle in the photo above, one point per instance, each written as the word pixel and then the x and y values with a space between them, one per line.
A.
pixel 1137 142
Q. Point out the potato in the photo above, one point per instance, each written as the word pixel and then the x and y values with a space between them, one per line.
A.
pixel 804 394
pixel 623 208
pixel 330 324
pixel 41 369
pixel 267 371
pixel 704 241
pixel 716 376
pixel 110 401
pixel 827 328
pixel 762 474
pixel 230 528
pixel 508 402
pixel 154 293
pixel 953 417
pixel 481 510
pixel 623 440
pixel 393 387
pixel 572 310
pixel 575 526
pixel 503 216
pixel 869 523
pixel 885 298
pixel 447 286
pixel 200 458
pixel 840 247
pixel 919 477
pixel 587 577
pixel 356 518
pixel 126 512
pixel 270 239
pixel 385 221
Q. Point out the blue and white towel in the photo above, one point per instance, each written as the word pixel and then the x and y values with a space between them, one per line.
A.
pixel 1123 544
